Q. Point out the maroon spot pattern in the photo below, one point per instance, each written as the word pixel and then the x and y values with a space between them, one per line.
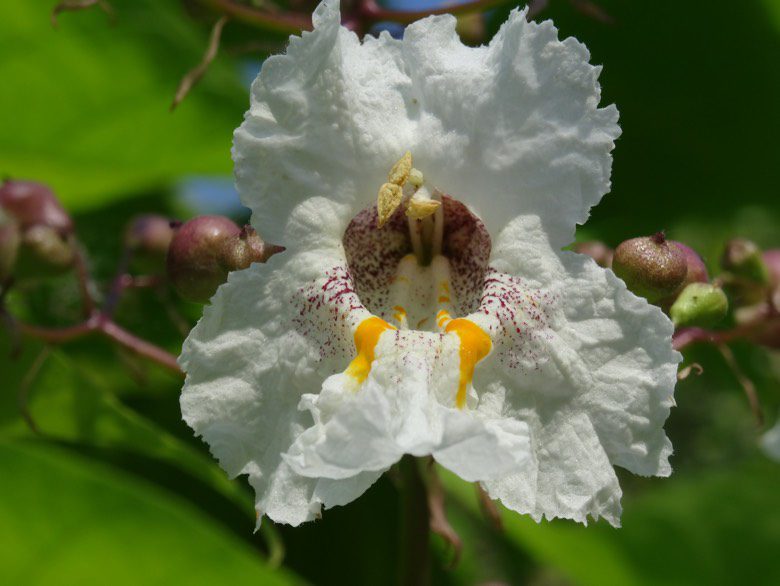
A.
pixel 326 310
pixel 523 314
pixel 373 255
pixel 466 244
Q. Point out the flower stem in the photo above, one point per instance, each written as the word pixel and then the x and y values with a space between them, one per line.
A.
pixel 415 566
pixel 101 324
pixel 286 23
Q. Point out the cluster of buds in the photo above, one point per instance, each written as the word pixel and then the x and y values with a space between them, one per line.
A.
pixel 37 240
pixel 752 278
pixel 673 276
pixel 666 273
pixel 36 233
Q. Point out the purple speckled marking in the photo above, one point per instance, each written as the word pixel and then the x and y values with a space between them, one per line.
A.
pixel 467 245
pixel 523 314
pixel 373 255
pixel 327 310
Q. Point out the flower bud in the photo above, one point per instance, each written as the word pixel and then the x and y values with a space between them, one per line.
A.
pixel 772 262
pixel 743 259
pixel 699 304
pixel 598 251
pixel 149 237
pixel 240 252
pixel 697 270
pixel 44 252
pixel 34 204
pixel 195 263
pixel 650 266
pixel 9 247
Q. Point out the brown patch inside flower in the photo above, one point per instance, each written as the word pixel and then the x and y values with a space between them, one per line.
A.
pixel 373 256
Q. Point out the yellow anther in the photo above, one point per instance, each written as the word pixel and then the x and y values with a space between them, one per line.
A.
pixel 416 177
pixel 422 208
pixel 388 200
pixel 400 171
pixel 366 338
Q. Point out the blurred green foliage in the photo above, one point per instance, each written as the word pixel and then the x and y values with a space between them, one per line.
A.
pixel 113 488
pixel 86 105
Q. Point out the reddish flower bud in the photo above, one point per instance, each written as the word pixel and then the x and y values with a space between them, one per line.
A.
pixel 696 273
pixel 598 251
pixel 650 266
pixel 697 270
pixel 772 262
pixel 149 237
pixel 194 262
pixel 34 204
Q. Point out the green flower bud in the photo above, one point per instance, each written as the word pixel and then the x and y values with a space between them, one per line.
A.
pixel 743 259
pixel 9 247
pixel 44 252
pixel 598 251
pixel 699 304
pixel 34 204
pixel 651 266
pixel 195 265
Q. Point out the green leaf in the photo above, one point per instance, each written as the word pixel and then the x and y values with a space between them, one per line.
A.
pixel 67 405
pixel 65 520
pixel 710 528
pixel 86 106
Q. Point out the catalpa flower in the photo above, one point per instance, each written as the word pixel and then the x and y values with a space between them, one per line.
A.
pixel 424 191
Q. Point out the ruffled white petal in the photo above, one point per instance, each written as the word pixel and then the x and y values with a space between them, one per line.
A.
pixel 593 380
pixel 509 129
pixel 248 366
pixel 582 372
pixel 405 406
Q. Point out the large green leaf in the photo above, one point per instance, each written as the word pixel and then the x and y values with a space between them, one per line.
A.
pixel 68 404
pixel 65 520
pixel 710 528
pixel 85 106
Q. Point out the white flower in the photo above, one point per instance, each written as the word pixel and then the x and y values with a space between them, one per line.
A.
pixel 314 373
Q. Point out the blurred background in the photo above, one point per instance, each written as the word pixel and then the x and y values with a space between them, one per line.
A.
pixel 102 483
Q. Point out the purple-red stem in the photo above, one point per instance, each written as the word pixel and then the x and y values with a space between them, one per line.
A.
pixel 101 324
pixel 370 11
pixel 82 276
pixel 365 13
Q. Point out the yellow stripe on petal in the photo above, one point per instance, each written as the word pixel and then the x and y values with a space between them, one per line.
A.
pixel 475 344
pixel 366 338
